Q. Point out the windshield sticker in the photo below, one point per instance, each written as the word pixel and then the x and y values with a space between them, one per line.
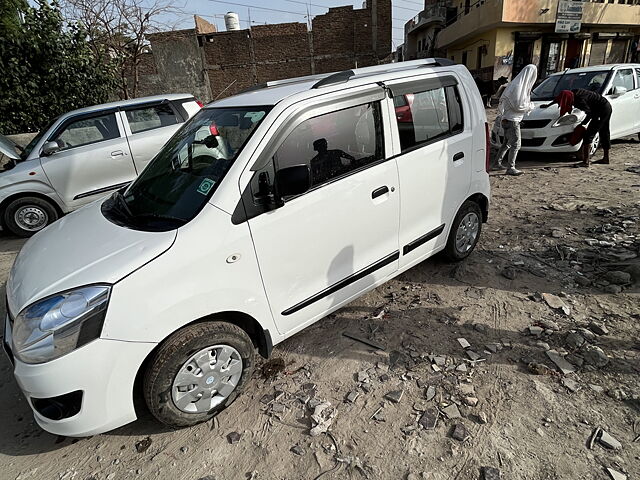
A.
pixel 205 186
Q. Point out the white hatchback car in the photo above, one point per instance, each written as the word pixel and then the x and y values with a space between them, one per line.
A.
pixel 84 154
pixel 266 212
pixel 544 131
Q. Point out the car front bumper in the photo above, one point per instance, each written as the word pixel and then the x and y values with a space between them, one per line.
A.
pixel 104 371
pixel 548 140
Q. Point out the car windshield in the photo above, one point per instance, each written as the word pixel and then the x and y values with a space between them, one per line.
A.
pixel 554 84
pixel 182 177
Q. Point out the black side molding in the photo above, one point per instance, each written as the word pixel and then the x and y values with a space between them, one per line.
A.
pixel 343 283
pixel 101 190
pixel 423 239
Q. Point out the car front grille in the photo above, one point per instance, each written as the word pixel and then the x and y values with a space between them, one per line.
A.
pixel 529 124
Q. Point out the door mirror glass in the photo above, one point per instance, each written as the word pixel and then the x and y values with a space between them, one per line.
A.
pixel 294 180
pixel 618 90
pixel 50 148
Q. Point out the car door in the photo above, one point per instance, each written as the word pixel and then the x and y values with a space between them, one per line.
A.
pixel 636 98
pixel 326 246
pixel 93 159
pixel 624 105
pixel 434 155
pixel 148 128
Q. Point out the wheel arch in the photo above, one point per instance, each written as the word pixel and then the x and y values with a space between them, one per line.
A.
pixel 483 202
pixel 260 338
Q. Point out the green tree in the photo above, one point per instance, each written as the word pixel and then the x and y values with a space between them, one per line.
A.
pixel 10 16
pixel 48 68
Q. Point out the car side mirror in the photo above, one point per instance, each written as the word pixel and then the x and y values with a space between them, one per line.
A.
pixel 618 90
pixel 294 180
pixel 50 148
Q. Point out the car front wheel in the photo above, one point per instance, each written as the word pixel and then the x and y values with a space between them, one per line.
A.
pixel 465 232
pixel 27 215
pixel 198 372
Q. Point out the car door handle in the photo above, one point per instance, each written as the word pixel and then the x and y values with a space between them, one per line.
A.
pixel 458 156
pixel 378 192
pixel 117 153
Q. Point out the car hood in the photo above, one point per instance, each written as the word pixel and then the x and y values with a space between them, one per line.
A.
pixel 80 249
pixel 553 112
pixel 8 148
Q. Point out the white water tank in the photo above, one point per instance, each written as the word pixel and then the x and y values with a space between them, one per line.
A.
pixel 232 21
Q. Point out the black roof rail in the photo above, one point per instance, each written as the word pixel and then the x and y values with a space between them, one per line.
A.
pixel 441 62
pixel 340 77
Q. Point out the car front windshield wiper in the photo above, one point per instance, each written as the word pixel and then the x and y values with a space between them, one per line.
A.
pixel 121 203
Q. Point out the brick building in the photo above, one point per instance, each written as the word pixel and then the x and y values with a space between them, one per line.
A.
pixel 214 64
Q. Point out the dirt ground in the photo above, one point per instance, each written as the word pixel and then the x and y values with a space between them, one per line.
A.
pixel 556 230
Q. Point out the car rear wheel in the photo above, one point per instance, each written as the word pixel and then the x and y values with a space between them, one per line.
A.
pixel 27 215
pixel 198 372
pixel 465 232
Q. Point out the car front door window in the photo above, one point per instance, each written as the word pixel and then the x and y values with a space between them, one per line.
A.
pixel 87 131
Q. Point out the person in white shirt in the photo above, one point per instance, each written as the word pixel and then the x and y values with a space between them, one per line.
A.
pixel 514 104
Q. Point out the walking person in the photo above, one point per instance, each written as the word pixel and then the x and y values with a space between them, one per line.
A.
pixel 514 104
pixel 598 111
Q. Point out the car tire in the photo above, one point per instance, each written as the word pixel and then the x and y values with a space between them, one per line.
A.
pixel 26 216
pixel 186 356
pixel 465 232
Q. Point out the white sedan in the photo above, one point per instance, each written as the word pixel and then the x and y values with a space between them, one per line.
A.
pixel 543 130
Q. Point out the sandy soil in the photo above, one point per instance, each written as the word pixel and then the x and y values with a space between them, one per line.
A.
pixel 556 230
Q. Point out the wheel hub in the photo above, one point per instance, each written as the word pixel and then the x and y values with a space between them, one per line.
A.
pixel 31 218
pixel 206 379
pixel 467 232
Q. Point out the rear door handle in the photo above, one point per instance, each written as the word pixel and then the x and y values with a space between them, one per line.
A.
pixel 117 153
pixel 378 192
pixel 458 156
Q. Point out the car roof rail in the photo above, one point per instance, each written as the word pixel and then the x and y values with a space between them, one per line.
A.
pixel 334 78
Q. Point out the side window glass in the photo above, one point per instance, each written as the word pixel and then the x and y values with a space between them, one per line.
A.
pixel 456 116
pixel 335 143
pixel 428 119
pixel 88 131
pixel 624 78
pixel 143 119
pixel 638 77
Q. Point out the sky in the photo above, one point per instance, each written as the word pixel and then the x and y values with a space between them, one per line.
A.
pixel 287 11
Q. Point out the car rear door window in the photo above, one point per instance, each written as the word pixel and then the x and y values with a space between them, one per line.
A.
pixel 88 130
pixel 435 114
pixel 148 118
pixel 335 143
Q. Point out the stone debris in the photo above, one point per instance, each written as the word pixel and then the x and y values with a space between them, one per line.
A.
pixel 473 356
pixel 451 411
pixel 556 303
pixel 539 369
pixel 143 445
pixel 595 356
pixel 462 368
pixel 430 393
pixel 363 376
pixel 464 343
pixel 421 405
pixel 574 340
pixel 233 437
pixel 549 324
pixel 616 475
pixel 440 361
pixel 297 450
pixel 466 389
pixel 471 401
pixel 536 331
pixel 351 397
pixel 278 407
pixel 394 396
pixel 598 328
pixel 459 432
pixel 482 418
pixel 618 278
pixel 596 388
pixel 429 419
pixel 543 345
pixel 493 347
pixel 608 441
pixel 564 366
pixel 571 384
pixel 490 473
pixel 322 418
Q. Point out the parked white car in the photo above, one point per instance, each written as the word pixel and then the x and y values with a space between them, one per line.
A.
pixel 266 212
pixel 542 129
pixel 85 154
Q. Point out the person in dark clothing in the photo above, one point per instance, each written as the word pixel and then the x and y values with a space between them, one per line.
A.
pixel 327 163
pixel 598 116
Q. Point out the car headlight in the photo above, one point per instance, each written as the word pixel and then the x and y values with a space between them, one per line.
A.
pixel 57 325
pixel 565 120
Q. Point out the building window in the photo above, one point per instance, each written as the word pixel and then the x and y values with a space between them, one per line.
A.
pixel 464 58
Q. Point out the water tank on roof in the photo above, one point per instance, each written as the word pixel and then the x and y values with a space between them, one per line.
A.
pixel 232 21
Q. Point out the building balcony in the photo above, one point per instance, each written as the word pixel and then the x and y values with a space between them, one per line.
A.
pixel 435 14
pixel 488 14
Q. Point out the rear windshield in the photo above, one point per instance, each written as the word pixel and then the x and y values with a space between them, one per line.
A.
pixel 182 177
pixel 554 84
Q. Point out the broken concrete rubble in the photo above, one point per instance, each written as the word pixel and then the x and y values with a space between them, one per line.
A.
pixel 564 366
pixel 322 418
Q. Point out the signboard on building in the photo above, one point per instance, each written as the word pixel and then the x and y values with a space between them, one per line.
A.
pixel 569 17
